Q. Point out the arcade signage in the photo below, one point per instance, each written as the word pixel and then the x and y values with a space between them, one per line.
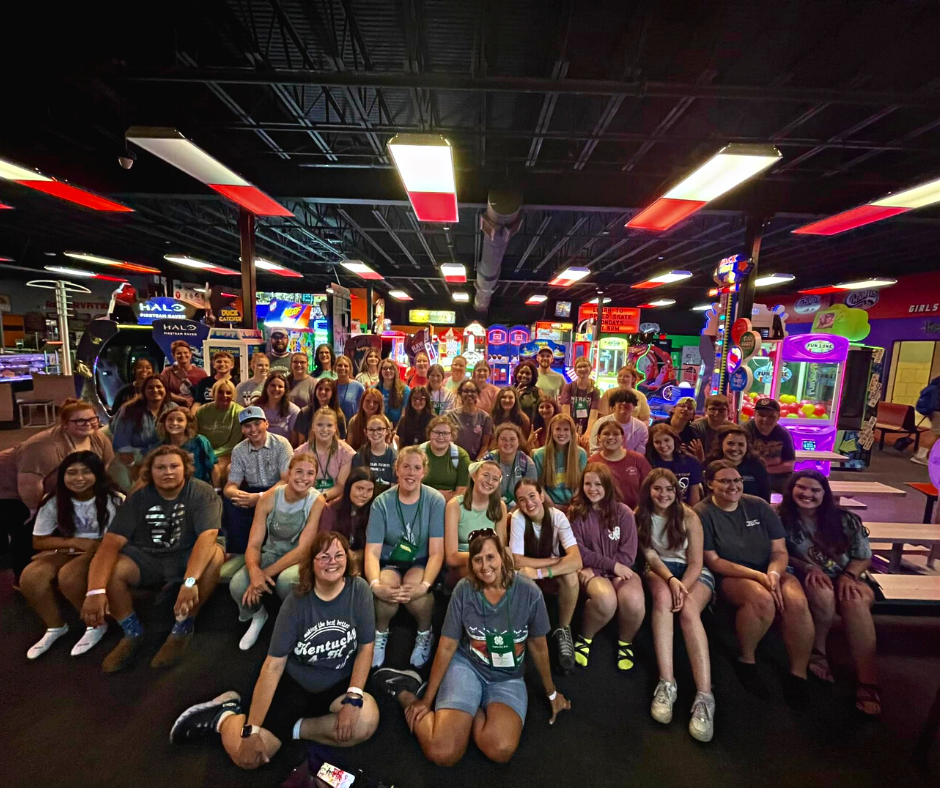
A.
pixel 919 308
pixel 862 299
pixel 614 319
pixel 442 317
pixel 807 305
pixel 160 309
pixel 819 346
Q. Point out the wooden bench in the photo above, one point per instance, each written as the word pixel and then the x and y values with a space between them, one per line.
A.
pixel 863 488
pixel 899 534
pixel 914 589
pixel 895 418
pixel 845 503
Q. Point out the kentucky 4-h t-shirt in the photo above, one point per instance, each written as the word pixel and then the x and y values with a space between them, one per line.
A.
pixel 320 638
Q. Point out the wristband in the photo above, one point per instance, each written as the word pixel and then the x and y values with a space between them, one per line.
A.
pixel 355 691
pixel 97 591
pixel 538 574
pixel 553 695
pixel 426 584
pixel 671 577
pixel 774 572
pixel 550 575
pixel 374 583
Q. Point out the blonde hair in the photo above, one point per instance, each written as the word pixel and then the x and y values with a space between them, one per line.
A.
pixel 572 471
pixel 219 385
pixel 304 456
pixel 325 413
pixel 417 451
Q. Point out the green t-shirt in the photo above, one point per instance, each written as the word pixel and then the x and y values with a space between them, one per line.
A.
pixel 221 427
pixel 470 521
pixel 443 472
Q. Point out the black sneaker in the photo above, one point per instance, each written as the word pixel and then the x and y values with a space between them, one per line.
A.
pixel 198 722
pixel 795 692
pixel 393 682
pixel 565 645
pixel 750 679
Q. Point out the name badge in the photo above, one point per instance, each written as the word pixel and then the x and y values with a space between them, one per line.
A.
pixel 501 649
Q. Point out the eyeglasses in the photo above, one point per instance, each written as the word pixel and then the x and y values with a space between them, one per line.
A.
pixel 730 482
pixel 440 434
pixel 324 558
pixel 376 430
pixel 84 422
pixel 480 533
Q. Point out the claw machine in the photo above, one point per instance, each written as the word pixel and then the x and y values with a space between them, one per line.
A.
pixel 611 355
pixel 808 375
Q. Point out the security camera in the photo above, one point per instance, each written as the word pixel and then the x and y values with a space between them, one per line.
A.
pixel 127 159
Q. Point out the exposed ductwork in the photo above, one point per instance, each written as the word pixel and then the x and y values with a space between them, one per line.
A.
pixel 498 225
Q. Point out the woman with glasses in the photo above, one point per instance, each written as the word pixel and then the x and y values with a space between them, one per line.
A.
pixel 405 552
pixel 443 400
pixel 507 409
pixel 324 359
pixel 323 640
pixel 37 464
pixel 733 443
pixel 829 549
pixel 606 535
pixel 177 427
pixel 249 390
pixel 448 464
pixel 413 426
pixel 333 456
pixel 580 399
pixel 664 450
pixel 281 413
pixel 627 378
pixel 348 391
pixel 370 404
pixel 282 529
pixel 477 687
pixel 369 369
pixel 134 428
pixel 394 392
pixel 745 544
pixel 514 463
pixel 479 508
pixel 474 426
pixel 301 382
pixel 670 536
pixel 379 455
pixel 560 462
pixel 349 514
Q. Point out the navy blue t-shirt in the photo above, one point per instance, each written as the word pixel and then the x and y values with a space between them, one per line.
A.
pixel 687 469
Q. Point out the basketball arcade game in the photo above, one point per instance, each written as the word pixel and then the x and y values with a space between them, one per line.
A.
pixel 502 348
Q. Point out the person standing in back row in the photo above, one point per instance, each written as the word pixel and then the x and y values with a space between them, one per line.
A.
pixel 549 382
pixel 182 377
pixel 772 443
pixel 223 363
pixel 279 355
pixel 706 428
pixel 928 404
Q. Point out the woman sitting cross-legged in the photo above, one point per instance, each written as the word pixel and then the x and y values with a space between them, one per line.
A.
pixel 545 550
pixel 282 528
pixel 828 548
pixel 478 508
pixel 606 534
pixel 476 686
pixel 68 529
pixel 745 543
pixel 405 552
pixel 670 535
pixel 323 638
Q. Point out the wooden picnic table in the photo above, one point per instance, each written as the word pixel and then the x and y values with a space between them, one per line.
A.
pixel 863 488
pixel 900 534
pixel 909 588
pixel 820 456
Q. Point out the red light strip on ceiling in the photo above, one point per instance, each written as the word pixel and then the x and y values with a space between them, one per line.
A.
pixel 849 220
pixel 33 179
pixel 5 207
pixel 664 213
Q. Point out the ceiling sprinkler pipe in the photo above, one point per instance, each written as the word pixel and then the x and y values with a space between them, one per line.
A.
pixel 498 225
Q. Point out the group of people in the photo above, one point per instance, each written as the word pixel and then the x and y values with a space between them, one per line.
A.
pixel 362 495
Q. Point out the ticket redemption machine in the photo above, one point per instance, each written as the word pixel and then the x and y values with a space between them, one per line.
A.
pixel 394 346
pixel 611 355
pixel 497 355
pixel 770 324
pixel 560 334
pixel 808 377
pixel 306 325
pixel 449 344
pixel 530 352
pixel 242 343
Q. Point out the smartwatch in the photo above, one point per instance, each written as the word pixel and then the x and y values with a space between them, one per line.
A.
pixel 189 582
pixel 352 700
pixel 248 730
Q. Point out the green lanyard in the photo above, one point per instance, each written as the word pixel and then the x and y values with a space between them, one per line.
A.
pixel 500 645
pixel 407 527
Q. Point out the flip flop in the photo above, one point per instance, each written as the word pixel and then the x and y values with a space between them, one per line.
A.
pixel 819 666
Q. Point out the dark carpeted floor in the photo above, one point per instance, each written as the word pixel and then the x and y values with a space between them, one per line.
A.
pixel 65 723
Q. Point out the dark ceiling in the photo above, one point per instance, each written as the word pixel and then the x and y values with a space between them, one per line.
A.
pixel 589 109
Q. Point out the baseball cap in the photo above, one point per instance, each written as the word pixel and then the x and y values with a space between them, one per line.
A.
pixel 278 331
pixel 766 403
pixel 250 413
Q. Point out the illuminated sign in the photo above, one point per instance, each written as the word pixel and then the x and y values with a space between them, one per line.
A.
pixel 820 346
pixel 807 305
pixel 443 317
pixel 160 308
pixel 614 320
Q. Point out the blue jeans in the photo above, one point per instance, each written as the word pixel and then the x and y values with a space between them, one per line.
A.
pixel 465 690
pixel 236 521
pixel 240 581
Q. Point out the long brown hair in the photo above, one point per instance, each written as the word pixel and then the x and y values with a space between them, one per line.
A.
pixel 283 407
pixel 515 415
pixel 494 506
pixel 718 452
pixel 321 543
pixel 675 515
pixel 541 547
pixel 572 471
pixel 356 434
pixel 397 394
pixel 580 507
pixel 333 403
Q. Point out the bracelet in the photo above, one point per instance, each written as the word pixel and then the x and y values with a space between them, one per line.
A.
pixel 355 691
pixel 373 583
pixel 553 695
pixel 97 591
pixel 538 574
pixel 426 584
pixel 550 575
pixel 671 577
pixel 774 572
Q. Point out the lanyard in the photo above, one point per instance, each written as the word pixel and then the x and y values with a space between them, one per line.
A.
pixel 407 527
pixel 322 470
pixel 508 598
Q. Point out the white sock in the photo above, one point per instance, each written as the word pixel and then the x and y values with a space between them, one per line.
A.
pixel 296 734
pixel 224 716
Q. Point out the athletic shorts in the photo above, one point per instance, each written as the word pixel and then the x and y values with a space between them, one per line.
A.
pixel 292 702
pixel 706 578
pixel 403 568
pixel 157 569
pixel 464 689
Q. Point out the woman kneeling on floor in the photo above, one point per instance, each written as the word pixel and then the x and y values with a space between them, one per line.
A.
pixel 670 535
pixel 829 550
pixel 67 532
pixel 323 637
pixel 477 676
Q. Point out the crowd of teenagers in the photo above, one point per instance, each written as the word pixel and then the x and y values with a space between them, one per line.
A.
pixel 353 494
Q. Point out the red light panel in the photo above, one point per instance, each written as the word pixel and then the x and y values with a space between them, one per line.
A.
pixel 646 285
pixel 5 207
pixel 848 220
pixel 664 213
pixel 822 290
pixel 434 206
pixel 78 196
pixel 457 280
pixel 251 198
pixel 109 278
pixel 138 269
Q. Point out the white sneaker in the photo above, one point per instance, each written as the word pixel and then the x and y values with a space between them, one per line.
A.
pixel 663 698
pixel 46 641
pixel 378 653
pixel 702 724
pixel 920 460
pixel 89 640
pixel 422 650
pixel 258 620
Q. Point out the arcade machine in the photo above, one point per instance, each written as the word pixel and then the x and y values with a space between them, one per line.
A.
pixel 518 336
pixel 449 344
pixel 858 408
pixel 808 377
pixel 474 345
pixel 530 350
pixel 498 357
pixel 561 334
pixel 394 346
pixel 770 324
pixel 611 355
pixel 306 325
pixel 242 343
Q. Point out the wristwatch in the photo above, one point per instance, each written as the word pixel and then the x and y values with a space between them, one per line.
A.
pixel 189 582
pixel 249 730
pixel 352 700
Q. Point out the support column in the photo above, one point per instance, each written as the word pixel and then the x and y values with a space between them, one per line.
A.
pixel 370 295
pixel 753 236
pixel 62 312
pixel 246 230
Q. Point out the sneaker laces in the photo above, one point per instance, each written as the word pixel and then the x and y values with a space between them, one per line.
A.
pixel 423 639
pixel 565 642
pixel 702 710
pixel 665 693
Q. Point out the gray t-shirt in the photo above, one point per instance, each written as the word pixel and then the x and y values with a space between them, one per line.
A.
pixel 744 535
pixel 280 363
pixel 320 639
pixel 155 525
pixel 470 618
pixel 471 430
pixel 301 391
pixel 423 520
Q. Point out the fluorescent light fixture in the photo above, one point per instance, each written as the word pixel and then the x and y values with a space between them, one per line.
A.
pixel 61 269
pixel 594 300
pixel 5 207
pixel 660 302
pixel 773 279
pixel 537 299
pixel 731 166
pixel 360 269
pixel 461 297
pixel 43 183
pixel 662 279
pixel 174 148
pixel 276 268
pixel 425 163
pixel 192 262
pixel 701 308
pixel 569 276
pixel 454 272
pixel 864 284
pixel 122 264
pixel 400 295
pixel 875 211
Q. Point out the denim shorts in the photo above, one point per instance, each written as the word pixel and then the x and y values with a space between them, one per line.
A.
pixel 464 689
pixel 706 578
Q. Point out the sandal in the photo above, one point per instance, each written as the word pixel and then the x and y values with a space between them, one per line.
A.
pixel 868 695
pixel 624 656
pixel 819 666
pixel 582 651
